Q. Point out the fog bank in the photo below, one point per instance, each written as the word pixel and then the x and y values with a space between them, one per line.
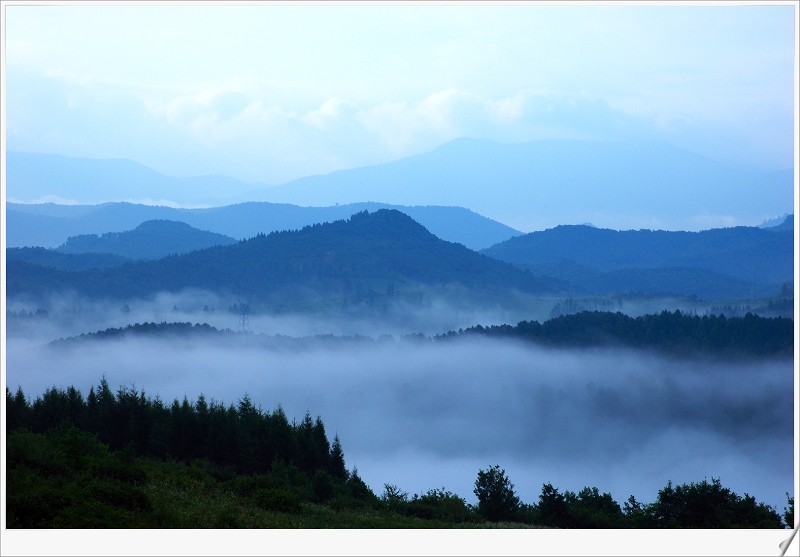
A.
pixel 430 415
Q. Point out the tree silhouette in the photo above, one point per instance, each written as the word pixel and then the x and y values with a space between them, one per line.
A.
pixel 496 498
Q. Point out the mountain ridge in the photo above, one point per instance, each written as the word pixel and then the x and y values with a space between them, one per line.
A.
pixel 153 239
pixel 734 251
pixel 528 186
pixel 539 184
pixel 381 251
pixel 49 225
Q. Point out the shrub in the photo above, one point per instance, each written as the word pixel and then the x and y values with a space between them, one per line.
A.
pixel 277 500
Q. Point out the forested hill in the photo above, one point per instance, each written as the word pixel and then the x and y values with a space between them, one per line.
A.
pixel 383 250
pixel 745 253
pixel 66 261
pixel 678 334
pixel 152 239
pixel 49 225
pixel 675 333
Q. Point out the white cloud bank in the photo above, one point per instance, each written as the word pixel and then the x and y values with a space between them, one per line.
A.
pixel 270 94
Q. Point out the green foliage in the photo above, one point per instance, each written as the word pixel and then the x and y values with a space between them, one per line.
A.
pixel 242 439
pixel 709 505
pixel 277 500
pixel 695 505
pixel 590 509
pixel 322 486
pixel 554 510
pixel 69 479
pixel 359 490
pixel 393 495
pixel 440 504
pixel 97 468
pixel 788 512
pixel 495 493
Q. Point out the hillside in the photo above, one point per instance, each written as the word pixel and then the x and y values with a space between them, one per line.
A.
pixel 703 283
pixel 50 225
pixel 384 250
pixel 65 261
pixel 152 239
pixel 603 260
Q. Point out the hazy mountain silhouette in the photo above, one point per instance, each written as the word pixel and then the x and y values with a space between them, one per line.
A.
pixel 717 263
pixel 152 239
pixel 529 186
pixel 34 177
pixel 382 251
pixel 787 224
pixel 50 225
pixel 550 182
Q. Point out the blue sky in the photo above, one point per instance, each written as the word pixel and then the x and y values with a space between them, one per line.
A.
pixel 272 93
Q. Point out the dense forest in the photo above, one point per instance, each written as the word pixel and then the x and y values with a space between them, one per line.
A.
pixel 370 250
pixel 672 333
pixel 704 284
pixel 736 252
pixel 125 460
pixel 676 333
pixel 722 263
pixel 65 261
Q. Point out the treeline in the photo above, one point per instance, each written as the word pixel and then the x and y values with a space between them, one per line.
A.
pixel 242 437
pixel 185 330
pixel 124 460
pixel 675 333
pixel 693 505
pixel 180 329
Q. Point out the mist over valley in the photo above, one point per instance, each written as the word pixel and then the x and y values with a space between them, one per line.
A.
pixel 423 415
pixel 620 360
pixel 280 267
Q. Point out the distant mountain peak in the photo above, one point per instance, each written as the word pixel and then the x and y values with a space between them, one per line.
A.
pixel 161 224
pixel 152 239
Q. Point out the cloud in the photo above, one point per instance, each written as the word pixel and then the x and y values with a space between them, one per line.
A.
pixel 239 127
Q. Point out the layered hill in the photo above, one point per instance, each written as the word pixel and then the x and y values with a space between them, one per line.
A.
pixel 717 263
pixel 33 177
pixel 382 251
pixel 65 261
pixel 152 239
pixel 49 225
pixel 529 186
pixel 541 184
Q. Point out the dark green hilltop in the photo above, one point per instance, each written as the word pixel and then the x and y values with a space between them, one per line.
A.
pixel 381 250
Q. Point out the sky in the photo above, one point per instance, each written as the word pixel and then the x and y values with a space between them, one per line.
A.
pixel 267 93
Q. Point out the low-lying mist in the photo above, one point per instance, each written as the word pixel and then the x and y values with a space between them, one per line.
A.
pixel 429 415
pixel 430 312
